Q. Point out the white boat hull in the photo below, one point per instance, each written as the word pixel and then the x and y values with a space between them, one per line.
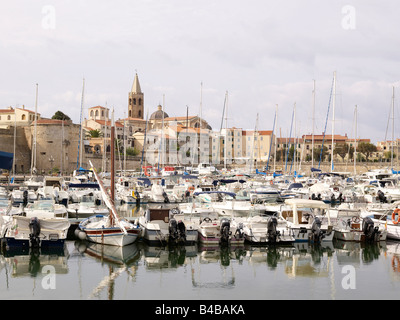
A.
pixel 112 236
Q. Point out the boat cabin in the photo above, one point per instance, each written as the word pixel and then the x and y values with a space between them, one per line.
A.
pixel 160 214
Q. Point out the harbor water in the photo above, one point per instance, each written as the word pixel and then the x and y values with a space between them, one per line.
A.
pixel 84 271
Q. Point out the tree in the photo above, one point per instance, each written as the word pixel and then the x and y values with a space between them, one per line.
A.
pixel 366 149
pixel 342 150
pixel 60 116
pixel 95 133
pixel 318 155
pixel 132 151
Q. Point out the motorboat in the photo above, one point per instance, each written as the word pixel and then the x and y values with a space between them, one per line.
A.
pixel 88 206
pixel 40 224
pixel 351 226
pixel 214 231
pixel 161 227
pixel 267 229
pixel 309 220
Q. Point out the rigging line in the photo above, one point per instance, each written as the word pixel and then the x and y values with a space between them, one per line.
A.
pixel 326 122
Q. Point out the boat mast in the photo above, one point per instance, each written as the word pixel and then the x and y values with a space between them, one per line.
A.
pixel 104 161
pixel 124 147
pixel 112 169
pixel 355 142
pixel 276 139
pixel 391 156
pixel 226 131
pixel 271 141
pixel 252 149
pixel 33 161
pixel 333 117
pixel 79 158
pixel 62 147
pixel 144 143
pixel 313 125
pixel 15 136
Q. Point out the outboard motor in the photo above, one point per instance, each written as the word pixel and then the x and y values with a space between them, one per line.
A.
pixel 225 230
pixel 313 197
pixel 381 196
pixel 166 199
pixel 316 233
pixel 182 231
pixel 371 232
pixel 272 232
pixel 34 228
pixel 173 230
pixel 25 198
pixel 239 234
pixel 177 231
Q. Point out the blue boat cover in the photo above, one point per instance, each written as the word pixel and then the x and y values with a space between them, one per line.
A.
pixel 6 160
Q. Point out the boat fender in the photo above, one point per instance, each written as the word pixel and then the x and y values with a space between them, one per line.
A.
pixel 81 235
pixel 396 211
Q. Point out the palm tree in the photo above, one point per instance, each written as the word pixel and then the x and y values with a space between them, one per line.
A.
pixel 95 133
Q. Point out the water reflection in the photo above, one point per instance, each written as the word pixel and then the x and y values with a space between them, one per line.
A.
pixel 28 262
pixel 201 269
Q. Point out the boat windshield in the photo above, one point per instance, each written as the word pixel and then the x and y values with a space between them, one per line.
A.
pixel 47 205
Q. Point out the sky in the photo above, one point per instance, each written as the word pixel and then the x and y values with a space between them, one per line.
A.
pixel 264 56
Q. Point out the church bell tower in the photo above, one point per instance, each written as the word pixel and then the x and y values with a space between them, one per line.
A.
pixel 136 100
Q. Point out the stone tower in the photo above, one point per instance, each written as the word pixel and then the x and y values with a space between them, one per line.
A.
pixel 136 100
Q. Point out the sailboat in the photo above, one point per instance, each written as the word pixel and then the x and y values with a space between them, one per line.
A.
pixel 110 229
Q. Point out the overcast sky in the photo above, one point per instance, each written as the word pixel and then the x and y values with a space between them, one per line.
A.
pixel 263 53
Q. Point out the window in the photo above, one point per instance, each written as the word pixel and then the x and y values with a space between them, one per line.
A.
pixel 23 117
pixel 96 113
pixel 140 101
pixel 134 101
pixel 8 117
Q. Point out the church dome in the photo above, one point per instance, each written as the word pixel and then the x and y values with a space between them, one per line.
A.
pixel 159 114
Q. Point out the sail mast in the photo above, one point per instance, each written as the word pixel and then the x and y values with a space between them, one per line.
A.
pixel 355 142
pixel 313 126
pixel 33 161
pixel 112 170
pixel 79 158
pixel 391 157
pixel 333 117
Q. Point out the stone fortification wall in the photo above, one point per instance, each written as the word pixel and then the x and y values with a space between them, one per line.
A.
pixel 22 148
